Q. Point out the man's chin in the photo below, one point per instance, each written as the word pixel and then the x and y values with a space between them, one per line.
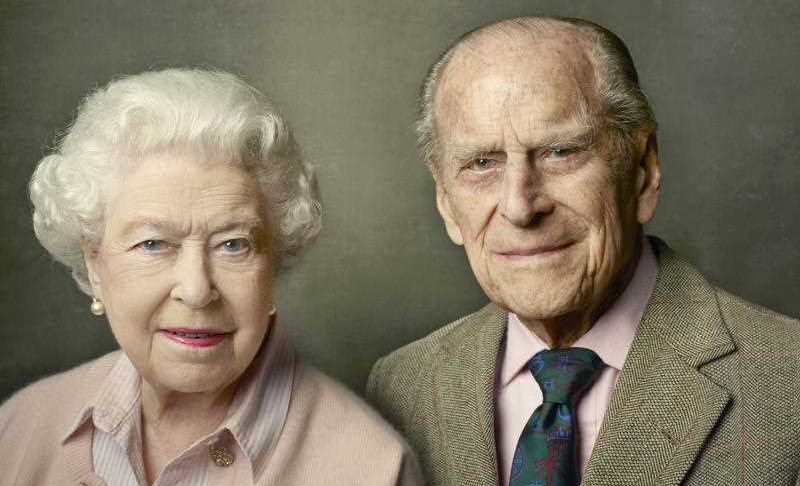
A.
pixel 541 309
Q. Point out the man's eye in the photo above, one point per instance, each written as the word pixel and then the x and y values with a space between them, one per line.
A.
pixel 482 164
pixel 153 245
pixel 236 245
pixel 560 153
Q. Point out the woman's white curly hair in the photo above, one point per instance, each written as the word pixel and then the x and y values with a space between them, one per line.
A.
pixel 156 111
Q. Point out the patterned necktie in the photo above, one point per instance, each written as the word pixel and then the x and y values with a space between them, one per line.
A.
pixel 546 452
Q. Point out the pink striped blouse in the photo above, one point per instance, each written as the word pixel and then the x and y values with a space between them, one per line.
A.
pixel 234 454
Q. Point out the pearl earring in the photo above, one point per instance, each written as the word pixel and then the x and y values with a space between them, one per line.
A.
pixel 97 307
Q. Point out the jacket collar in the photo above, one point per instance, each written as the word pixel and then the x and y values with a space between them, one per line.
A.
pixel 664 406
pixel 464 389
pixel 661 411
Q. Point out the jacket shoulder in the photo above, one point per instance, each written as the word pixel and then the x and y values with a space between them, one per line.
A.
pixel 396 379
pixel 757 328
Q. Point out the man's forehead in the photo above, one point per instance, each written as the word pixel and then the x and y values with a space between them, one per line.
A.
pixel 552 73
pixel 559 40
pixel 529 99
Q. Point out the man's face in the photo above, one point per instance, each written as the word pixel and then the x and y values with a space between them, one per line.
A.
pixel 548 217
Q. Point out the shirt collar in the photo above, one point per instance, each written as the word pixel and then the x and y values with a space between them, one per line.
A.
pixel 255 418
pixel 259 410
pixel 115 401
pixel 610 336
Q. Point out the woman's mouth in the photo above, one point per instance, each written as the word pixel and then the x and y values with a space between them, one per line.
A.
pixel 196 338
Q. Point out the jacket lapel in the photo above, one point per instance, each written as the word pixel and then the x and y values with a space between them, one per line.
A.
pixel 663 406
pixel 464 395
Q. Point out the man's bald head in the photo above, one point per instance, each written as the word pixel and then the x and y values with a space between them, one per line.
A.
pixel 589 57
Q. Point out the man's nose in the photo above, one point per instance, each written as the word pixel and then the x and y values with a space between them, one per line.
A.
pixel 193 284
pixel 523 201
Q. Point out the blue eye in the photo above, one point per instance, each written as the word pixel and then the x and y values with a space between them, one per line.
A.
pixel 559 153
pixel 482 164
pixel 153 245
pixel 236 245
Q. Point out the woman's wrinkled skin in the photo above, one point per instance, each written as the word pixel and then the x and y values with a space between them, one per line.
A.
pixel 185 246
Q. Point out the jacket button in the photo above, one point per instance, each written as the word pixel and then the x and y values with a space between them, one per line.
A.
pixel 221 456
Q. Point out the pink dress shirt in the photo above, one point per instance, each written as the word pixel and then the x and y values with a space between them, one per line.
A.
pixel 518 395
pixel 246 436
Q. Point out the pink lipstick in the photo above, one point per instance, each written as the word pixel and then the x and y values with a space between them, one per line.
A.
pixel 196 338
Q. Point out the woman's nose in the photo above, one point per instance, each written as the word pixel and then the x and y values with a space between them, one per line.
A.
pixel 193 282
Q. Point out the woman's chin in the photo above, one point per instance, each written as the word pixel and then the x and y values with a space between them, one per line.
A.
pixel 191 378
pixel 190 370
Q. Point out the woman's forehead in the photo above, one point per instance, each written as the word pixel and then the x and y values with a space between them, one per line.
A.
pixel 164 191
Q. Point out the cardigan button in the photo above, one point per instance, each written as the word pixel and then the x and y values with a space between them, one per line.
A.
pixel 221 456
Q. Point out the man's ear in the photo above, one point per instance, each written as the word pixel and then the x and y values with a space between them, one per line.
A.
pixel 443 205
pixel 90 260
pixel 648 176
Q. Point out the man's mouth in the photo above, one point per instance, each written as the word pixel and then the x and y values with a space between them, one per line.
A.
pixel 533 251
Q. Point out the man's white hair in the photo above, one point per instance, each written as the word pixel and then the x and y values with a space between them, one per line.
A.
pixel 175 109
pixel 625 109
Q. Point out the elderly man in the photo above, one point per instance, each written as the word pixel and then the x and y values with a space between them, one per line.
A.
pixel 604 358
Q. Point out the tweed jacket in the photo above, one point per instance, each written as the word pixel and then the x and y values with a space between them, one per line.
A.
pixel 708 394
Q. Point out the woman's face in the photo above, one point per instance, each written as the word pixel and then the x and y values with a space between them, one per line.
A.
pixel 185 271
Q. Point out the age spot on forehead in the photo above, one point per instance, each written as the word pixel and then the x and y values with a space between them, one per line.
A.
pixel 554 70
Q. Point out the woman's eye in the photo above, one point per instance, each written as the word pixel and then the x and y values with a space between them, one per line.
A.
pixel 236 245
pixel 153 245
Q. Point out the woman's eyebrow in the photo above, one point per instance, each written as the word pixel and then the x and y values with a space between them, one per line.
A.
pixel 245 219
pixel 245 223
pixel 156 224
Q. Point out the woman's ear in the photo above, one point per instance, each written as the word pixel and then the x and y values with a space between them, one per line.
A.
pixel 90 259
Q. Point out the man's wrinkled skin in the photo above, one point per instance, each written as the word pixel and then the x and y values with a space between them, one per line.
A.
pixel 530 183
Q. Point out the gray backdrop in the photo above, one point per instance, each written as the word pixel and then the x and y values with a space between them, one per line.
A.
pixel 722 76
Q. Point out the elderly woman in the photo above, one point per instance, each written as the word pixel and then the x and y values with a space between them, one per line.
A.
pixel 174 197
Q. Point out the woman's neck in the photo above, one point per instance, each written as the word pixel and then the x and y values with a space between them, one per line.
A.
pixel 173 421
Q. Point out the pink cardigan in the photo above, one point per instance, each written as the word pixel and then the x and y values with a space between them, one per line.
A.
pixel 330 436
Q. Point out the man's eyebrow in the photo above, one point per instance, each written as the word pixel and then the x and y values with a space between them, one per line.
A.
pixel 576 137
pixel 582 136
pixel 460 151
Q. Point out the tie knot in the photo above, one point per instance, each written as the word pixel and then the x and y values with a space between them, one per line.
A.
pixel 564 374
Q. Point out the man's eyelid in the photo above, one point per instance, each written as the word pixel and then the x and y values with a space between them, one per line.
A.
pixel 561 150
pixel 495 157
